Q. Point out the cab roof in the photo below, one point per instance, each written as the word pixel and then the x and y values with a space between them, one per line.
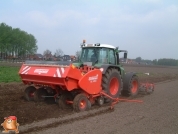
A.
pixel 84 45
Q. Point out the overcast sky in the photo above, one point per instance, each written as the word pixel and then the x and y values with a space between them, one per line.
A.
pixel 146 28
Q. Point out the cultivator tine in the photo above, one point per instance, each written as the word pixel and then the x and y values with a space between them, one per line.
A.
pixel 147 87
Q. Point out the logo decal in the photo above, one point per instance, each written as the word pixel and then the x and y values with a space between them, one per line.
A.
pixel 41 71
pixel 93 78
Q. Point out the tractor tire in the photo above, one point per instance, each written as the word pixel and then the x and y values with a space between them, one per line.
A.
pixel 62 101
pixel 89 105
pixel 29 93
pixel 39 93
pixel 80 103
pixel 112 83
pixel 100 101
pixel 131 86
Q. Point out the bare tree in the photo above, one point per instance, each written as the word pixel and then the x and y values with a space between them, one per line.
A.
pixel 77 54
pixel 47 54
pixel 59 52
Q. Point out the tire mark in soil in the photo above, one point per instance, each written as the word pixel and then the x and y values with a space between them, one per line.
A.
pixel 67 121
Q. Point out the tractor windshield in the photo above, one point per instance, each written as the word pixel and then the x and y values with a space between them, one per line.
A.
pixel 98 55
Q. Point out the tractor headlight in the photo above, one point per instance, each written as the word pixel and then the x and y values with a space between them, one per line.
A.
pixel 82 44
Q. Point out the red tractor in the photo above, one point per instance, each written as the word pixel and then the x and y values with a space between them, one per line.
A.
pixel 97 77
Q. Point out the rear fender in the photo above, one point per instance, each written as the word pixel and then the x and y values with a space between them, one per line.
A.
pixel 104 68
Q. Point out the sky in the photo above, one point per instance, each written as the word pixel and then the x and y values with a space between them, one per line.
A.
pixel 145 28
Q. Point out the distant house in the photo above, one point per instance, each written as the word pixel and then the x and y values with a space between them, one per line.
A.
pixel 73 58
pixel 36 57
pixel 66 58
pixel 59 58
pixel 131 61
pixel 122 60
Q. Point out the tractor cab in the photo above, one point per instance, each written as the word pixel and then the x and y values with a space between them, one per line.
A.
pixel 100 54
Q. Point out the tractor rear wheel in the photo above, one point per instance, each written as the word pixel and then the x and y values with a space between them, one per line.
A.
pixel 62 101
pixel 40 94
pixel 112 83
pixel 29 93
pixel 80 103
pixel 132 87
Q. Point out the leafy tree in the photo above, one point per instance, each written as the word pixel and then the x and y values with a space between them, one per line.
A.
pixel 138 59
pixel 5 39
pixel 168 62
pixel 16 43
pixel 155 62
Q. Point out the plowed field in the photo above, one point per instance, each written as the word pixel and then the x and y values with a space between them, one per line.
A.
pixel 12 100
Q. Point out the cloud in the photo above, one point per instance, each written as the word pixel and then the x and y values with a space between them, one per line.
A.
pixel 91 21
pixel 147 1
pixel 167 13
pixel 56 19
pixel 41 19
pixel 64 15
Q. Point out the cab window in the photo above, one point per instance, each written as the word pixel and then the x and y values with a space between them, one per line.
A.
pixel 89 55
pixel 103 56
pixel 111 56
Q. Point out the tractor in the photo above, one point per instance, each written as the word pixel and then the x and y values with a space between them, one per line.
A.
pixel 106 57
pixel 96 78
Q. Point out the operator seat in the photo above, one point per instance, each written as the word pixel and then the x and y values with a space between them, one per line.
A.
pixel 93 58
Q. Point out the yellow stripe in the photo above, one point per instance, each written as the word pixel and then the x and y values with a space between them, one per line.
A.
pixel 73 66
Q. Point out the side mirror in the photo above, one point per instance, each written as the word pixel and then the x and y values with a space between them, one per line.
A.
pixel 125 55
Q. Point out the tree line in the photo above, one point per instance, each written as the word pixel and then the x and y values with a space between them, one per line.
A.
pixel 166 62
pixel 162 61
pixel 16 43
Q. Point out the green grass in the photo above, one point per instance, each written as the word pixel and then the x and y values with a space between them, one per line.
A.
pixel 9 74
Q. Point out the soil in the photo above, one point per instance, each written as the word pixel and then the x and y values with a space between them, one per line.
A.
pixel 157 114
pixel 12 100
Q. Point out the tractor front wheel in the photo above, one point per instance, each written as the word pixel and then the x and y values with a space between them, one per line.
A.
pixel 40 94
pixel 80 103
pixel 29 93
